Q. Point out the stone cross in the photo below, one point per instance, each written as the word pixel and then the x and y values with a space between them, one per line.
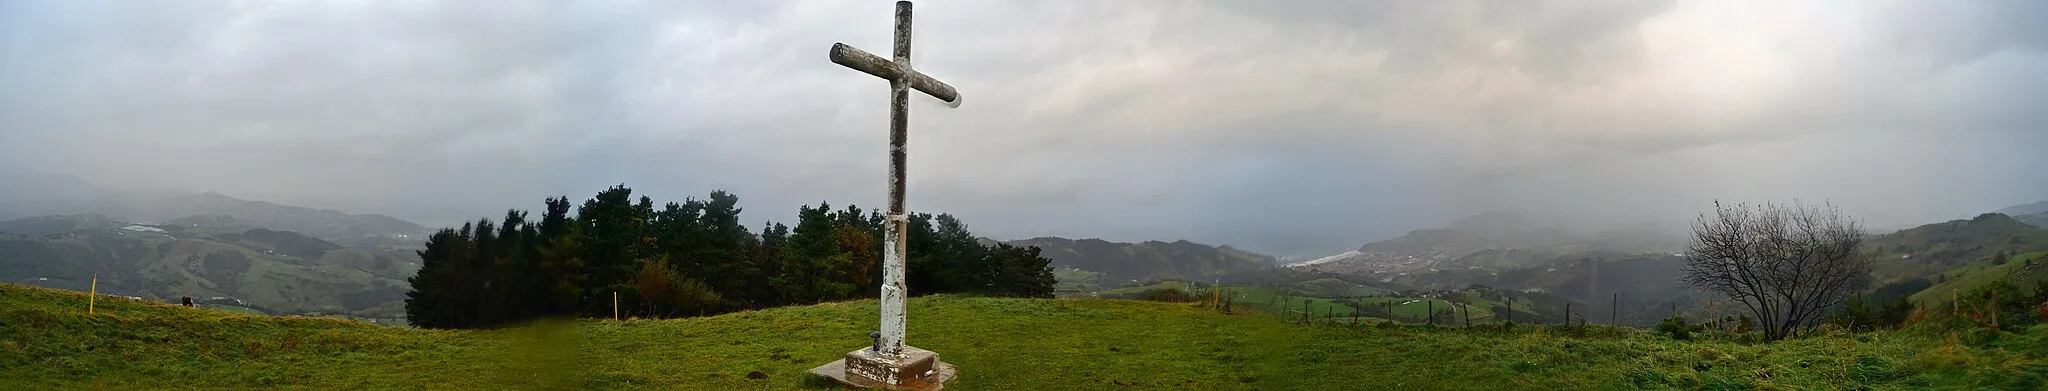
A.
pixel 889 362
pixel 902 78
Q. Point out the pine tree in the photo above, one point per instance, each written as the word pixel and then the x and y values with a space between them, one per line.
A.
pixel 430 304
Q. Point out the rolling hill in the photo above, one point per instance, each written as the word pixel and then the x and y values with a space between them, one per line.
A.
pixel 27 194
pixel 2025 209
pixel 1129 263
pixel 48 342
pixel 276 271
pixel 2023 270
pixel 1501 240
pixel 1935 248
pixel 2039 220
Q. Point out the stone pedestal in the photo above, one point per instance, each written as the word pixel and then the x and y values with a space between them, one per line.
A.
pixel 913 369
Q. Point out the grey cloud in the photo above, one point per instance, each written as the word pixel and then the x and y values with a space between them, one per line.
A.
pixel 1290 127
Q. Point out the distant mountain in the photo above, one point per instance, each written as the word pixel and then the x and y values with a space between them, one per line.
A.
pixel 315 222
pixel 273 271
pixel 1127 263
pixel 36 227
pixel 36 194
pixel 2039 220
pixel 1501 239
pixel 2025 209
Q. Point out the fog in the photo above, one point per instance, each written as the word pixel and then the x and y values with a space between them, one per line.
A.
pixel 1286 127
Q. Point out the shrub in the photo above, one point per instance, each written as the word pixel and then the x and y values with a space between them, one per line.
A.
pixel 1677 329
pixel 1168 294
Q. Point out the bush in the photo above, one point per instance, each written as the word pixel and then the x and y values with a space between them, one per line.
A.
pixel 1858 314
pixel 1166 294
pixel 1677 329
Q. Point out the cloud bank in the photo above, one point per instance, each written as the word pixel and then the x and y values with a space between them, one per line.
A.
pixel 1291 127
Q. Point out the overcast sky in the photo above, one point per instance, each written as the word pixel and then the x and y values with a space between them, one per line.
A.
pixel 1288 127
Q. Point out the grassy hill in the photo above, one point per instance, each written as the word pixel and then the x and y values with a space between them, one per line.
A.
pixel 276 271
pixel 47 342
pixel 1935 248
pixel 2017 268
pixel 1502 240
pixel 2038 219
pixel 2025 209
pixel 1120 264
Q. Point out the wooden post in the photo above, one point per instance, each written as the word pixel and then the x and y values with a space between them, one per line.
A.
pixel 92 298
pixel 1467 310
pixel 1994 310
pixel 1511 310
pixel 1567 313
pixel 1431 307
pixel 1614 311
pixel 615 305
pixel 1955 303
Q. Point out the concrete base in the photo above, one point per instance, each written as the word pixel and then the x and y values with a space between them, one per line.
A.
pixel 914 369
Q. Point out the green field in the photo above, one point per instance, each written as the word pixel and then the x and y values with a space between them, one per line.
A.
pixel 1406 309
pixel 1962 279
pixel 1075 282
pixel 48 342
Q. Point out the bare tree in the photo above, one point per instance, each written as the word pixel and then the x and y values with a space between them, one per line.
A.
pixel 1788 264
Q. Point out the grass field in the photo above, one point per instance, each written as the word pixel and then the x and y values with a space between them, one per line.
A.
pixel 1075 282
pixel 48 342
pixel 1965 278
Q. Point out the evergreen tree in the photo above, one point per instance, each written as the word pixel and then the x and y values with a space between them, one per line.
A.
pixel 691 258
pixel 430 304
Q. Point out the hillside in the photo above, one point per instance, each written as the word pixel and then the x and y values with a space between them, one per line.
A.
pixel 27 194
pixel 1129 263
pixel 47 342
pixel 273 270
pixel 1501 240
pixel 1935 248
pixel 2025 209
pixel 2038 220
pixel 2024 270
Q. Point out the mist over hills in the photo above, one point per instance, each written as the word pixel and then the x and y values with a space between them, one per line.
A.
pixel 1130 263
pixel 2025 209
pixel 25 196
pixel 260 269
pixel 1504 239
pixel 290 258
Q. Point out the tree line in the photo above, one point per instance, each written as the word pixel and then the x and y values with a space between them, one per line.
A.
pixel 692 258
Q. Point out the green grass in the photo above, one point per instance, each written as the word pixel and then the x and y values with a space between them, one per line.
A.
pixel 237 309
pixel 1075 282
pixel 47 342
pixel 1965 278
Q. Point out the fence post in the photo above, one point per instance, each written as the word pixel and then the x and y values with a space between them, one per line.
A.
pixel 1431 307
pixel 615 305
pixel 1306 316
pixel 1614 311
pixel 1467 310
pixel 1567 313
pixel 1994 310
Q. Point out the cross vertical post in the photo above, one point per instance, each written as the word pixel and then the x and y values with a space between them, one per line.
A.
pixel 890 362
pixel 893 292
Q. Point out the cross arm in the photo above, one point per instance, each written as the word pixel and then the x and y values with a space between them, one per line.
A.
pixel 887 70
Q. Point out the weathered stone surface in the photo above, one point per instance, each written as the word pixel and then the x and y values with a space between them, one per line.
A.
pixel 914 369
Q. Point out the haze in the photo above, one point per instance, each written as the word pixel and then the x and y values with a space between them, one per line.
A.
pixel 1286 127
